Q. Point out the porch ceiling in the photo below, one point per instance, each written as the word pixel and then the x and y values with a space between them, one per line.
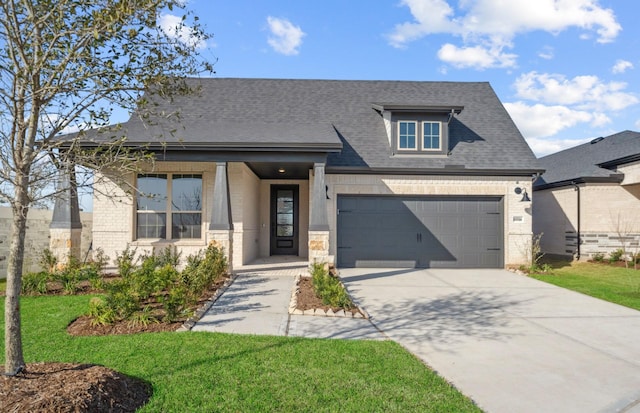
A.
pixel 273 170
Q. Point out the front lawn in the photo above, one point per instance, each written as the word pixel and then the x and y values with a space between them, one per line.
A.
pixel 223 372
pixel 615 284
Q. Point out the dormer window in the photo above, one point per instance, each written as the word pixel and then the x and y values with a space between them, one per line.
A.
pixel 417 129
pixel 407 135
pixel 431 138
pixel 418 136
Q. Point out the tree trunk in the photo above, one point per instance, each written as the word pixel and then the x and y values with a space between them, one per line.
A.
pixel 14 359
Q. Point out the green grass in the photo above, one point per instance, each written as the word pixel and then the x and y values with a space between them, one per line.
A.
pixel 223 372
pixel 615 284
pixel 3 284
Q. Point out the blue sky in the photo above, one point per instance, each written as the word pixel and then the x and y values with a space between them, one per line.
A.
pixel 566 70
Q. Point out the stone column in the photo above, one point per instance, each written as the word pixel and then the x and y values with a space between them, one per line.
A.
pixel 220 231
pixel 318 221
pixel 65 229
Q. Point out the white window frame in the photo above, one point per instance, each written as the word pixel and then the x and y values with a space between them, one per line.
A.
pixel 416 136
pixel 439 148
pixel 168 211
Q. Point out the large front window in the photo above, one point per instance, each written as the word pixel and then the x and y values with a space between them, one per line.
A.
pixel 169 206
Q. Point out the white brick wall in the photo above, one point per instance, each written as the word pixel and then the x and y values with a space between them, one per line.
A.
pixel 605 209
pixel 250 205
pixel 37 239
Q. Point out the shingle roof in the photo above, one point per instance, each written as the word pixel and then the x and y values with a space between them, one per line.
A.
pixel 333 112
pixel 584 162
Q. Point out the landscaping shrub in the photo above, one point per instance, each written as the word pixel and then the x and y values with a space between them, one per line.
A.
pixel 69 276
pixel 35 282
pixel 328 288
pixel 616 255
pixel 156 289
pixel 203 269
pixel 598 257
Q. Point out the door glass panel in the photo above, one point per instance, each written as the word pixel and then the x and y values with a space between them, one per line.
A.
pixel 284 213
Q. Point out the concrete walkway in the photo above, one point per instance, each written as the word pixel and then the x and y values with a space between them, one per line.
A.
pixel 258 303
pixel 511 343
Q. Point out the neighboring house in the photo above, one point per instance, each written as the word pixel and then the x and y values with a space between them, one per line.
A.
pixel 588 199
pixel 366 173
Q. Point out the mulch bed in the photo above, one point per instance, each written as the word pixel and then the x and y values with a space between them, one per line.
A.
pixel 82 326
pixel 307 299
pixel 62 387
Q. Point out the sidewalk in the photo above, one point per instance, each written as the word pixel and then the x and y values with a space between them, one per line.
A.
pixel 258 303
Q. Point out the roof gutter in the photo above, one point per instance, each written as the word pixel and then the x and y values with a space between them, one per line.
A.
pixel 447 170
pixel 611 179
pixel 576 187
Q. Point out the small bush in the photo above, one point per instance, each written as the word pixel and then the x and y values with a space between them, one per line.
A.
pixel 35 283
pixel 329 288
pixel 203 270
pixel 143 317
pixel 169 256
pixel 100 313
pixel 598 257
pixel 126 262
pixel 616 255
pixel 48 261
pixel 175 303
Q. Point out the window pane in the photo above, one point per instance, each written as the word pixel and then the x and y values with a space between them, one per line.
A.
pixel 407 135
pixel 284 230
pixel 186 193
pixel 152 192
pixel 431 135
pixel 151 225
pixel 186 225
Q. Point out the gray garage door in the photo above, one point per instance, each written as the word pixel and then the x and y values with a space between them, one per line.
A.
pixel 427 232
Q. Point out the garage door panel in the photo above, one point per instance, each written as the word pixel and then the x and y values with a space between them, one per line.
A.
pixel 443 232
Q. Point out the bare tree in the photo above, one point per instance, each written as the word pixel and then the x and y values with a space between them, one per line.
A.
pixel 624 226
pixel 65 64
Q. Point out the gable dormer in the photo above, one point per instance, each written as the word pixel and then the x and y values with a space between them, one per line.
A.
pixel 417 129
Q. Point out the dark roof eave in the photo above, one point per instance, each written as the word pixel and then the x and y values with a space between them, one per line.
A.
pixel 228 147
pixel 611 179
pixel 456 170
pixel 620 161
pixel 399 107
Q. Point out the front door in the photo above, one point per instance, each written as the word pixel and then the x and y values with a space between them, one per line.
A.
pixel 284 219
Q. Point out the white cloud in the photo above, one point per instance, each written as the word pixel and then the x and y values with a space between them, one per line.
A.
pixel 546 53
pixel 494 23
pixel 541 121
pixel 174 27
pixel 477 57
pixel 286 38
pixel 621 66
pixel 584 92
pixel 542 147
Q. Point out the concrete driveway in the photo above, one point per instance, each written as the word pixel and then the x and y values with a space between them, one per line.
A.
pixel 511 343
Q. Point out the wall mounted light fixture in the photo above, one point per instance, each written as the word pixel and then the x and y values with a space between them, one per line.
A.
pixel 523 191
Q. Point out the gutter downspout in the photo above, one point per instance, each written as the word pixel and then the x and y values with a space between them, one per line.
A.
pixel 578 241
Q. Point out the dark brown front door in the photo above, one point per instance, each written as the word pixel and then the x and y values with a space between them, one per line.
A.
pixel 284 219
